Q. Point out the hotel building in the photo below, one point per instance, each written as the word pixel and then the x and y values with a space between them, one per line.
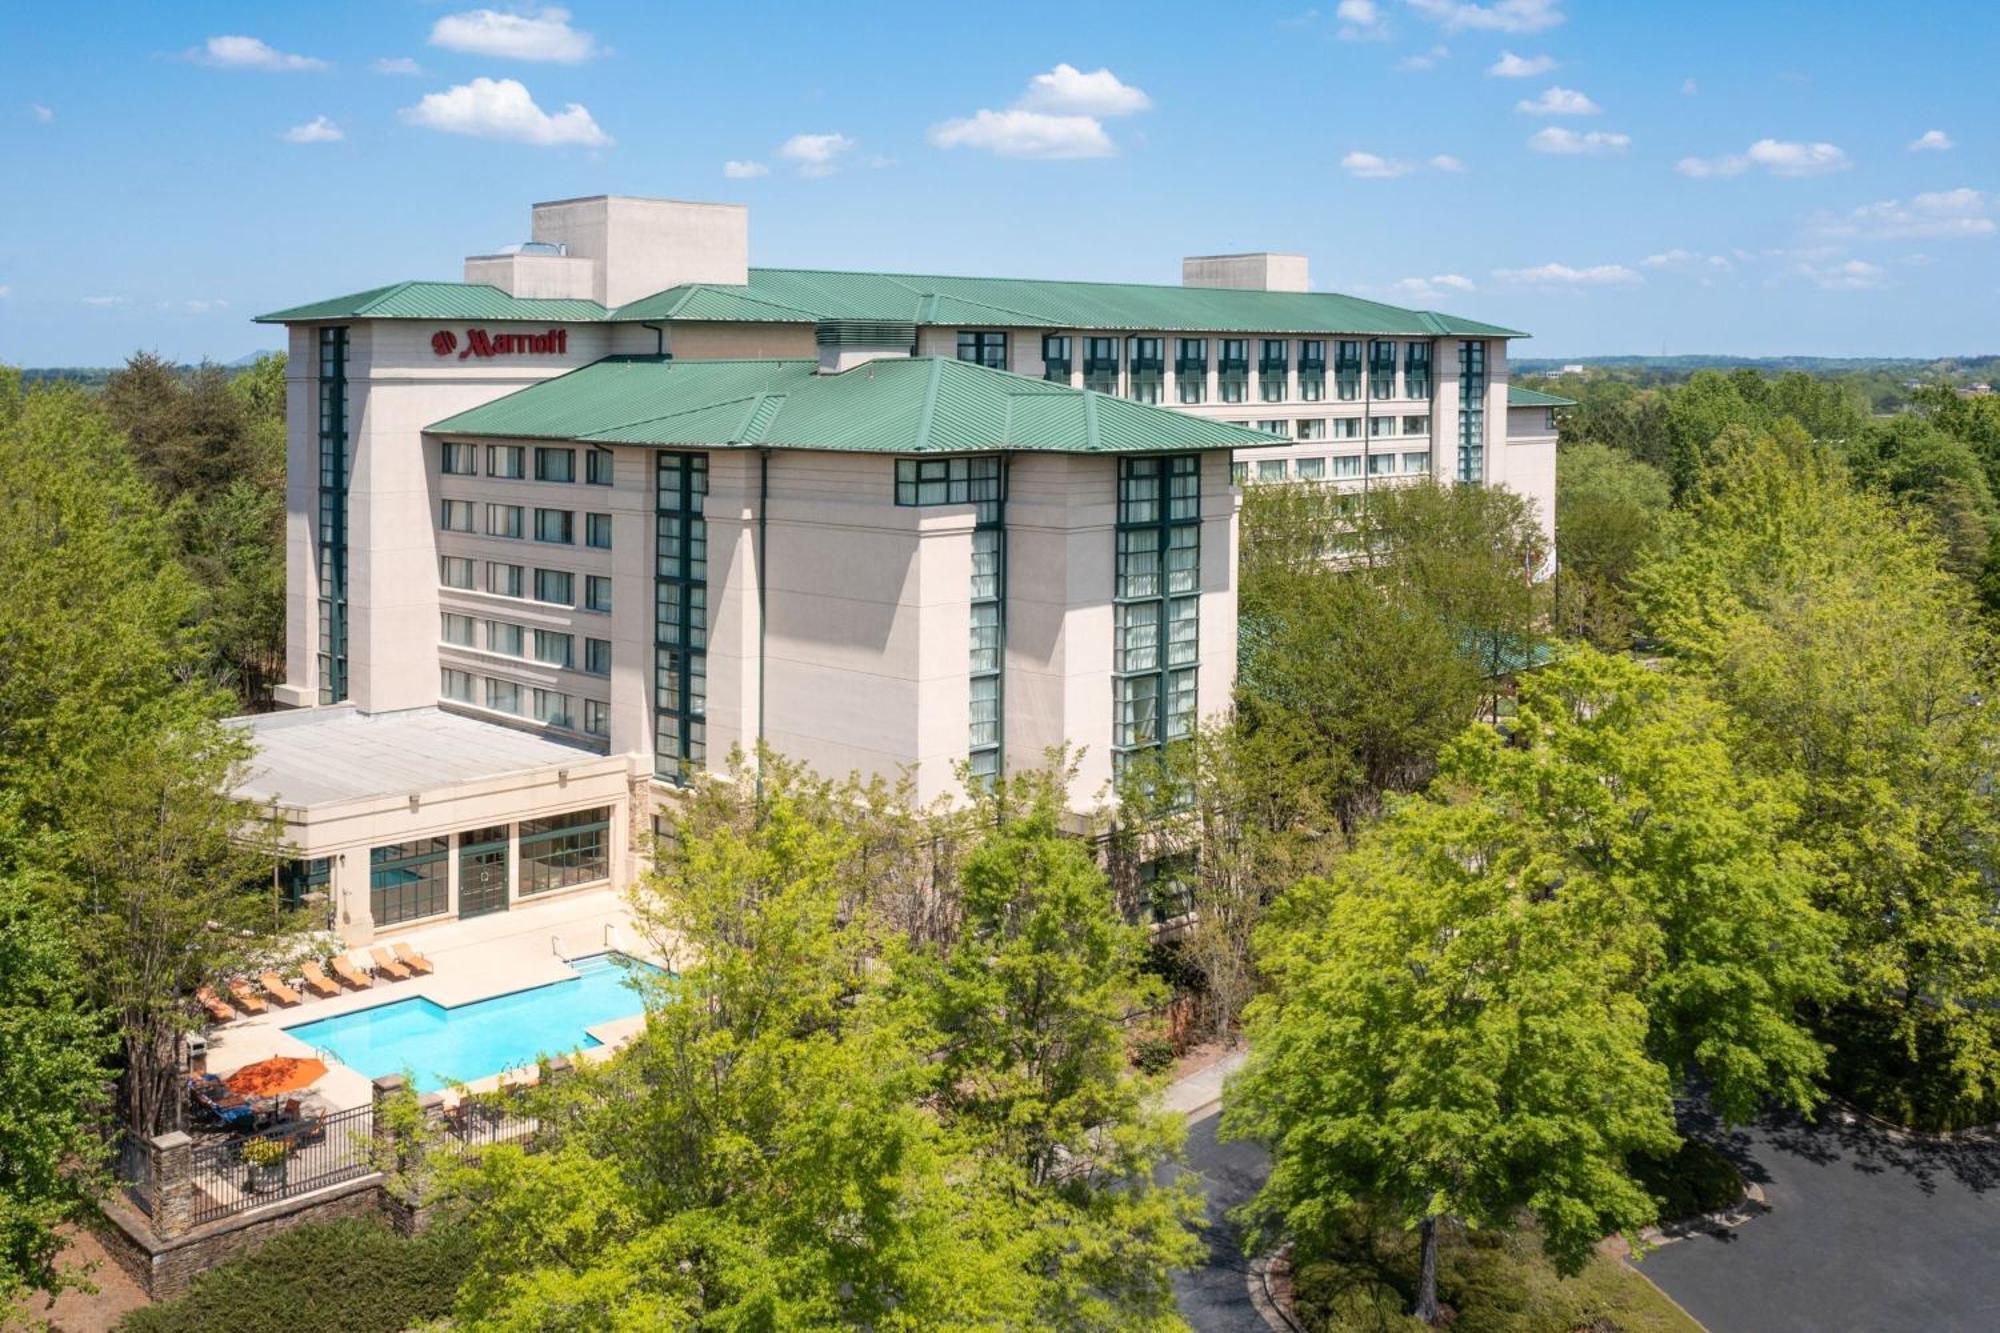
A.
pixel 564 533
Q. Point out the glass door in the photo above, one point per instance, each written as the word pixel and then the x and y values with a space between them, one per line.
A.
pixel 482 871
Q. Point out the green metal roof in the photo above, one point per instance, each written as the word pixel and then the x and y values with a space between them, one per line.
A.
pixel 897 406
pixel 784 294
pixel 1518 396
pixel 439 300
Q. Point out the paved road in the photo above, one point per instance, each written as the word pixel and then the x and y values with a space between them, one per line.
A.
pixel 1864 1235
pixel 1214 1298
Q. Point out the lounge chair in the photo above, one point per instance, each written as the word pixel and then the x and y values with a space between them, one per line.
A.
pixel 349 974
pixel 413 960
pixel 248 1000
pixel 275 987
pixel 212 1002
pixel 317 982
pixel 386 966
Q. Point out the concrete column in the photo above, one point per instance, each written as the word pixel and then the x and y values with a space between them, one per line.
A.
pixel 387 1088
pixel 170 1174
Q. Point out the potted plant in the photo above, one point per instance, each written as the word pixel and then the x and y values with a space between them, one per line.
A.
pixel 265 1159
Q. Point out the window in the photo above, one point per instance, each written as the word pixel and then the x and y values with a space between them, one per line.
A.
pixel 1416 463
pixel 597 656
pixel 1100 364
pixel 461 460
pixel 1347 428
pixel 455 685
pixel 1191 370
pixel 503 520
pixel 597 467
pixel 1381 465
pixel 1157 594
pixel 983 349
pixel 553 648
pixel 552 708
pixel 555 525
pixel 1148 362
pixel 680 616
pixel 597 531
pixel 1381 369
pixel 331 533
pixel 1312 370
pixel 409 880
pixel 302 880
pixel 596 717
pixel 1312 428
pixel 507 461
pixel 1380 426
pixel 503 580
pixel 555 464
pixel 457 516
pixel 505 638
pixel 1275 428
pixel 459 630
pixel 555 585
pixel 1416 425
pixel 1417 370
pixel 503 696
pixel 1471 411
pixel 1232 370
pixel 482 871
pixel 1312 469
pixel 947 481
pixel 1272 368
pixel 563 851
pixel 456 571
pixel 597 592
pixel 1166 886
pixel 1347 369
pixel 1549 421
pixel 1270 469
pixel 1055 357
pixel 1238 473
pixel 1346 465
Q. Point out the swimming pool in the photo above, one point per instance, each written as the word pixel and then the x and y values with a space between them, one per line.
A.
pixel 441 1046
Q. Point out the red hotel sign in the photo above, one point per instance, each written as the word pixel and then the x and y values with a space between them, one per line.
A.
pixel 478 342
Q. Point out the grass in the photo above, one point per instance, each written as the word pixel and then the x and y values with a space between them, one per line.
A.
pixel 1495 1282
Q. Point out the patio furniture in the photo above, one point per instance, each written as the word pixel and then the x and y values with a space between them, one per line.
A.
pixel 349 974
pixel 246 999
pixel 317 981
pixel 275 987
pixel 413 960
pixel 214 1102
pixel 386 966
pixel 212 1002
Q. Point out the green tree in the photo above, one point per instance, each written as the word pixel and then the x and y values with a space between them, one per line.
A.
pixel 1609 508
pixel 1936 476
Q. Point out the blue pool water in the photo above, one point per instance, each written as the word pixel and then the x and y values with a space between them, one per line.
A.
pixel 443 1046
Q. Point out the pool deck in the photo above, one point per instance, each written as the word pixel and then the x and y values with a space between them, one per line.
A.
pixel 475 960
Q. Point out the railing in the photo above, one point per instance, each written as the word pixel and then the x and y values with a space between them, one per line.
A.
pixel 483 1119
pixel 318 1151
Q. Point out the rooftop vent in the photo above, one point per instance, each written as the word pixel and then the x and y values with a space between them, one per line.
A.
pixel 846 343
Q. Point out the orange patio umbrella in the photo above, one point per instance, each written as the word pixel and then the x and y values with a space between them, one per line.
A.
pixel 282 1073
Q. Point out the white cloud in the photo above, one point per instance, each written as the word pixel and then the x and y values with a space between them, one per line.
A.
pixel 743 171
pixel 1361 21
pixel 1500 16
pixel 816 155
pixel 1931 141
pixel 1557 101
pixel 1436 287
pixel 1423 60
pixel 1851 275
pixel 102 301
pixel 234 52
pixel 1689 88
pixel 1687 261
pixel 1934 214
pixel 1563 275
pixel 1568 143
pixel 503 109
pixel 317 130
pixel 1446 162
pixel 42 114
pixel 530 34
pixel 1025 134
pixel 204 307
pixel 396 65
pixel 1373 166
pixel 1778 156
pixel 1068 91
pixel 1511 66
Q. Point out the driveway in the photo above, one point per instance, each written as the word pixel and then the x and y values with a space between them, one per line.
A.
pixel 1865 1232
pixel 1215 1297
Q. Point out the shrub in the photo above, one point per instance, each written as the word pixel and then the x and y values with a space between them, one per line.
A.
pixel 1153 1055
pixel 332 1277
pixel 1697 1179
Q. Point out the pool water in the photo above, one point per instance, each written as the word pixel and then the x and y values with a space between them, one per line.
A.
pixel 441 1046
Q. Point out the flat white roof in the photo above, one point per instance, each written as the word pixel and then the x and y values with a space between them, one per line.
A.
pixel 320 756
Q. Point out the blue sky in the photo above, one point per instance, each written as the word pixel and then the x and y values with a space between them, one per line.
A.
pixel 1694 177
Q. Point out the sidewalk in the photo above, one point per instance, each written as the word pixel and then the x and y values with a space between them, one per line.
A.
pixel 1199 1095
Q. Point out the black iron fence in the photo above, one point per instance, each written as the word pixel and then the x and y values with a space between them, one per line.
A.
pixel 482 1119
pixel 231 1175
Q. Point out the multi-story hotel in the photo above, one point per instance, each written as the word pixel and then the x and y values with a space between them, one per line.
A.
pixel 572 529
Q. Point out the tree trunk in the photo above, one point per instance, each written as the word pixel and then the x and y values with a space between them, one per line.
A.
pixel 1427 1276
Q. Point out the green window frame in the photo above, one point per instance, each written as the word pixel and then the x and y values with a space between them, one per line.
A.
pixel 1232 370
pixel 331 657
pixel 1156 603
pixel 1382 369
pixel 408 881
pixel 1100 364
pixel 1191 369
pixel 565 851
pixel 1146 364
pixel 983 348
pixel 1056 357
pixel 1417 370
pixel 1347 369
pixel 299 879
pixel 1273 369
pixel 1312 370
pixel 680 616
pixel 1471 410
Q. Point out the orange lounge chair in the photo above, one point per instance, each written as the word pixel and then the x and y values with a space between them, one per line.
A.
pixel 349 974
pixel 212 1002
pixel 413 960
pixel 246 999
pixel 275 987
pixel 316 981
pixel 385 966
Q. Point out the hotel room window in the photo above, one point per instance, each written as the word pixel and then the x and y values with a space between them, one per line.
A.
pixel 459 630
pixel 1312 469
pixel 597 531
pixel 506 461
pixel 1272 368
pixel 455 685
pixel 552 708
pixel 1347 369
pixel 504 638
pixel 596 717
pixel 503 696
pixel 1381 369
pixel 503 520
pixel 1346 466
pixel 1100 364
pixel 1381 465
pixel 1347 428
pixel 553 648
pixel 1270 469
pixel 1312 428
pixel 1416 425
pixel 1417 370
pixel 1312 370
pixel 456 516
pixel 555 464
pixel 456 571
pixel 555 525
pixel 597 656
pixel 597 592
pixel 1056 357
pixel 983 348
pixel 1148 364
pixel 1380 426
pixel 1232 370
pixel 557 586
pixel 1191 369
pixel 597 467
pixel 1416 463
pixel 503 580
pixel 461 460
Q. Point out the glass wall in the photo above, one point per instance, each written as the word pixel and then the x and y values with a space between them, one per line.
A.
pixel 680 617
pixel 332 515
pixel 482 871
pixel 1156 647
pixel 563 851
pixel 1471 411
pixel 408 880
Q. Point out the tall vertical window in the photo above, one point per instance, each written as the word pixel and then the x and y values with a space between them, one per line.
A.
pixel 597 467
pixel 1347 369
pixel 1191 369
pixel 1148 362
pixel 983 348
pixel 409 880
pixel 680 617
pixel 1232 370
pixel 597 531
pixel 332 515
pixel 1471 411
pixel 980 482
pixel 1417 370
pixel 1381 369
pixel 1100 364
pixel 1157 602
pixel 1056 357
pixel 1312 370
pixel 1273 367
